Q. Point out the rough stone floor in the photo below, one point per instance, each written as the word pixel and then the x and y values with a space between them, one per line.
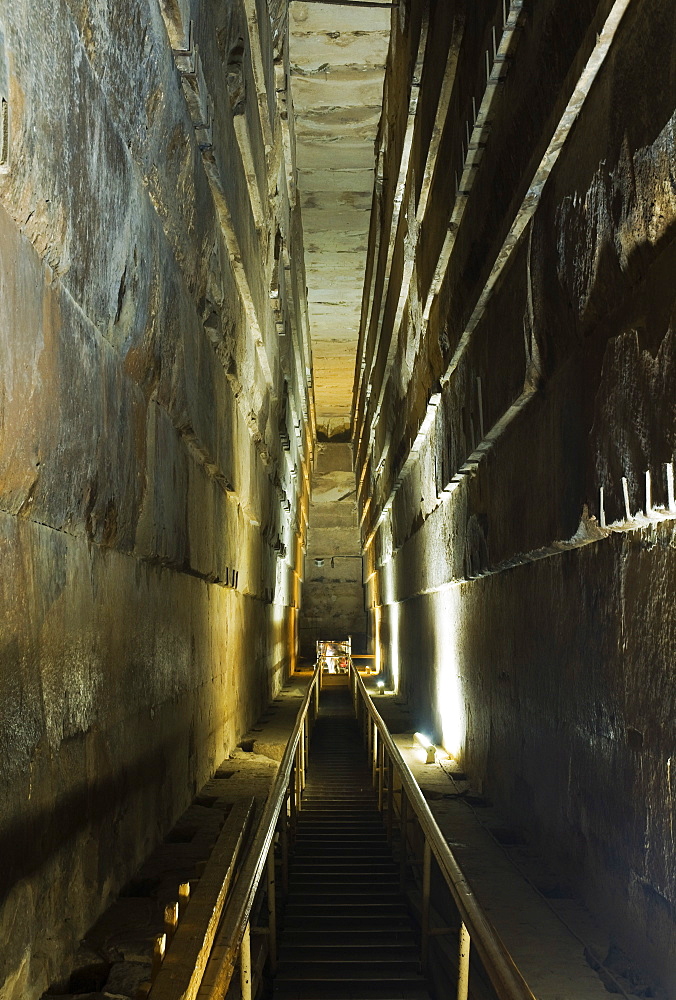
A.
pixel 116 954
pixel 562 952
pixel 560 949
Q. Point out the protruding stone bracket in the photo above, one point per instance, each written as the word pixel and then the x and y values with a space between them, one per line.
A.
pixel 4 108
pixel 200 105
pixel 176 17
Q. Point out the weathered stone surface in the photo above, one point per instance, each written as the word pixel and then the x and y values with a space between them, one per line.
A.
pixel 515 358
pixel 333 596
pixel 126 977
pixel 492 410
pixel 151 533
pixel 338 58
pixel 116 953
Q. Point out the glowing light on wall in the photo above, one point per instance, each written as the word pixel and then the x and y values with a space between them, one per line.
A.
pixel 279 614
pixel 392 625
pixel 449 695
pixel 377 617
pixel 394 646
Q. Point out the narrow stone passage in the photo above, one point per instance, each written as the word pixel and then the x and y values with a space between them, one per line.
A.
pixel 346 931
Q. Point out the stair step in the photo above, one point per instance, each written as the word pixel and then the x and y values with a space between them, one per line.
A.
pixel 354 805
pixel 334 835
pixel 341 815
pixel 337 970
pixel 357 869
pixel 327 898
pixel 345 929
pixel 327 875
pixel 351 856
pixel 360 991
pixel 357 991
pixel 339 820
pixel 341 863
pixel 335 908
pixel 373 848
pixel 334 889
pixel 377 972
pixel 353 954
pixel 385 936
pixel 349 922
pixel 328 847
pixel 319 827
pixel 365 806
pixel 325 800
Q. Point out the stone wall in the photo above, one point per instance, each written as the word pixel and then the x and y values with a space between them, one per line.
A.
pixel 155 435
pixel 517 354
pixel 333 594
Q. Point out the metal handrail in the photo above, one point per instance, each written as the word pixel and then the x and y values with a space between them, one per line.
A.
pixel 233 936
pixel 204 964
pixel 476 928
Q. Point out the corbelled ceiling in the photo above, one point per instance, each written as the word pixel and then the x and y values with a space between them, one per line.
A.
pixel 338 59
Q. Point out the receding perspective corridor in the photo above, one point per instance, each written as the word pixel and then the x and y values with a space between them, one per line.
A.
pixel 337 504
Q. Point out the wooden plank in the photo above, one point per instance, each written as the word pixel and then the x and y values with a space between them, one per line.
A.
pixel 182 970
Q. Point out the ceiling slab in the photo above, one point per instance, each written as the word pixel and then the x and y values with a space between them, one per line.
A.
pixel 338 63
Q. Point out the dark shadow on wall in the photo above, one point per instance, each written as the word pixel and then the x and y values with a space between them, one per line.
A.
pixel 26 845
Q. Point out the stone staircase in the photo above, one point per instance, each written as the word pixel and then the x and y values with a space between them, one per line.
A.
pixel 346 930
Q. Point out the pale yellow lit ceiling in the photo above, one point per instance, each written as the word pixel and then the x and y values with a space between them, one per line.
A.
pixel 338 60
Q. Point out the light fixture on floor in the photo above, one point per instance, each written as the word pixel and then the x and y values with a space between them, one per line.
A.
pixel 427 746
pixel 381 687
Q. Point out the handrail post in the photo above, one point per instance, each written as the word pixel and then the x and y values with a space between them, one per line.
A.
pixel 245 963
pixel 272 911
pixel 303 753
pixel 170 920
pixel 463 963
pixel 365 717
pixel 403 823
pixel 390 798
pixel 284 838
pixel 505 977
pixel 299 773
pixel 159 949
pixel 292 797
pixel 425 915
pixel 374 754
pixel 183 897
pixel 381 774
